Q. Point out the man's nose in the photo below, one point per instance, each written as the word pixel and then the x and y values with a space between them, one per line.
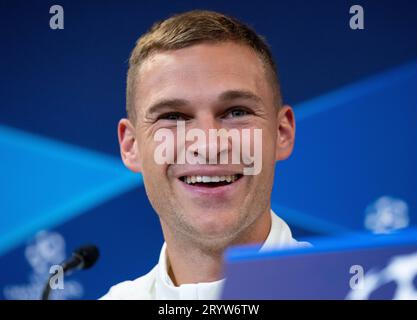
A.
pixel 208 149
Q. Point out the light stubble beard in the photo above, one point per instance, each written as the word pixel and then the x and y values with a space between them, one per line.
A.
pixel 176 227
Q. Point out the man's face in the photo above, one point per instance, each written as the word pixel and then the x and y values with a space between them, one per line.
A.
pixel 209 86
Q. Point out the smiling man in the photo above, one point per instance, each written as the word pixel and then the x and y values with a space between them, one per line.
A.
pixel 205 71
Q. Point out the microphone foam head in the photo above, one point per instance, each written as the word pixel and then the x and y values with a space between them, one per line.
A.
pixel 89 255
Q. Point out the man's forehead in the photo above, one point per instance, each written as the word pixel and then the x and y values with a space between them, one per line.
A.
pixel 204 70
pixel 231 53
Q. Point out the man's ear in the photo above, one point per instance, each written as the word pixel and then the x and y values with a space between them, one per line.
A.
pixel 286 133
pixel 128 143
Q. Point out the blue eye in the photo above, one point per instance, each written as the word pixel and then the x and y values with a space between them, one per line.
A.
pixel 173 116
pixel 237 113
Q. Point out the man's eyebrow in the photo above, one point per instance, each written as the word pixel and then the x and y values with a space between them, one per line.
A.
pixel 166 104
pixel 223 97
pixel 239 94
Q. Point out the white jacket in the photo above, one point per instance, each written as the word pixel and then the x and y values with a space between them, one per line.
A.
pixel 158 285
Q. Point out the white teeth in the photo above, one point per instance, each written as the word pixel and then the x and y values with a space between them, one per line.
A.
pixel 208 179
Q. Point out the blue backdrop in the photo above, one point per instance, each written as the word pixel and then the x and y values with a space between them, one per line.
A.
pixel 62 94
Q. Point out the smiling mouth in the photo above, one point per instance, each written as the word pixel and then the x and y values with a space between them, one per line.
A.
pixel 210 181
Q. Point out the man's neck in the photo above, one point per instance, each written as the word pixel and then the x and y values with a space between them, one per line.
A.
pixel 190 263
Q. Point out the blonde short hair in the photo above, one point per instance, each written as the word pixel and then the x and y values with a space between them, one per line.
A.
pixel 194 27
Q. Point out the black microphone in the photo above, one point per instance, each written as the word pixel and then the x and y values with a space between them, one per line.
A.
pixel 82 258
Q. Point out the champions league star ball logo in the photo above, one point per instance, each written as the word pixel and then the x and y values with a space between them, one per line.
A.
pixel 386 214
pixel 47 249
pixel 399 275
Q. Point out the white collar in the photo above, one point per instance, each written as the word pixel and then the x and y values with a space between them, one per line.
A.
pixel 279 236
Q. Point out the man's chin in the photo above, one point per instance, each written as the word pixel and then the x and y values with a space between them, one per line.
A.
pixel 212 223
